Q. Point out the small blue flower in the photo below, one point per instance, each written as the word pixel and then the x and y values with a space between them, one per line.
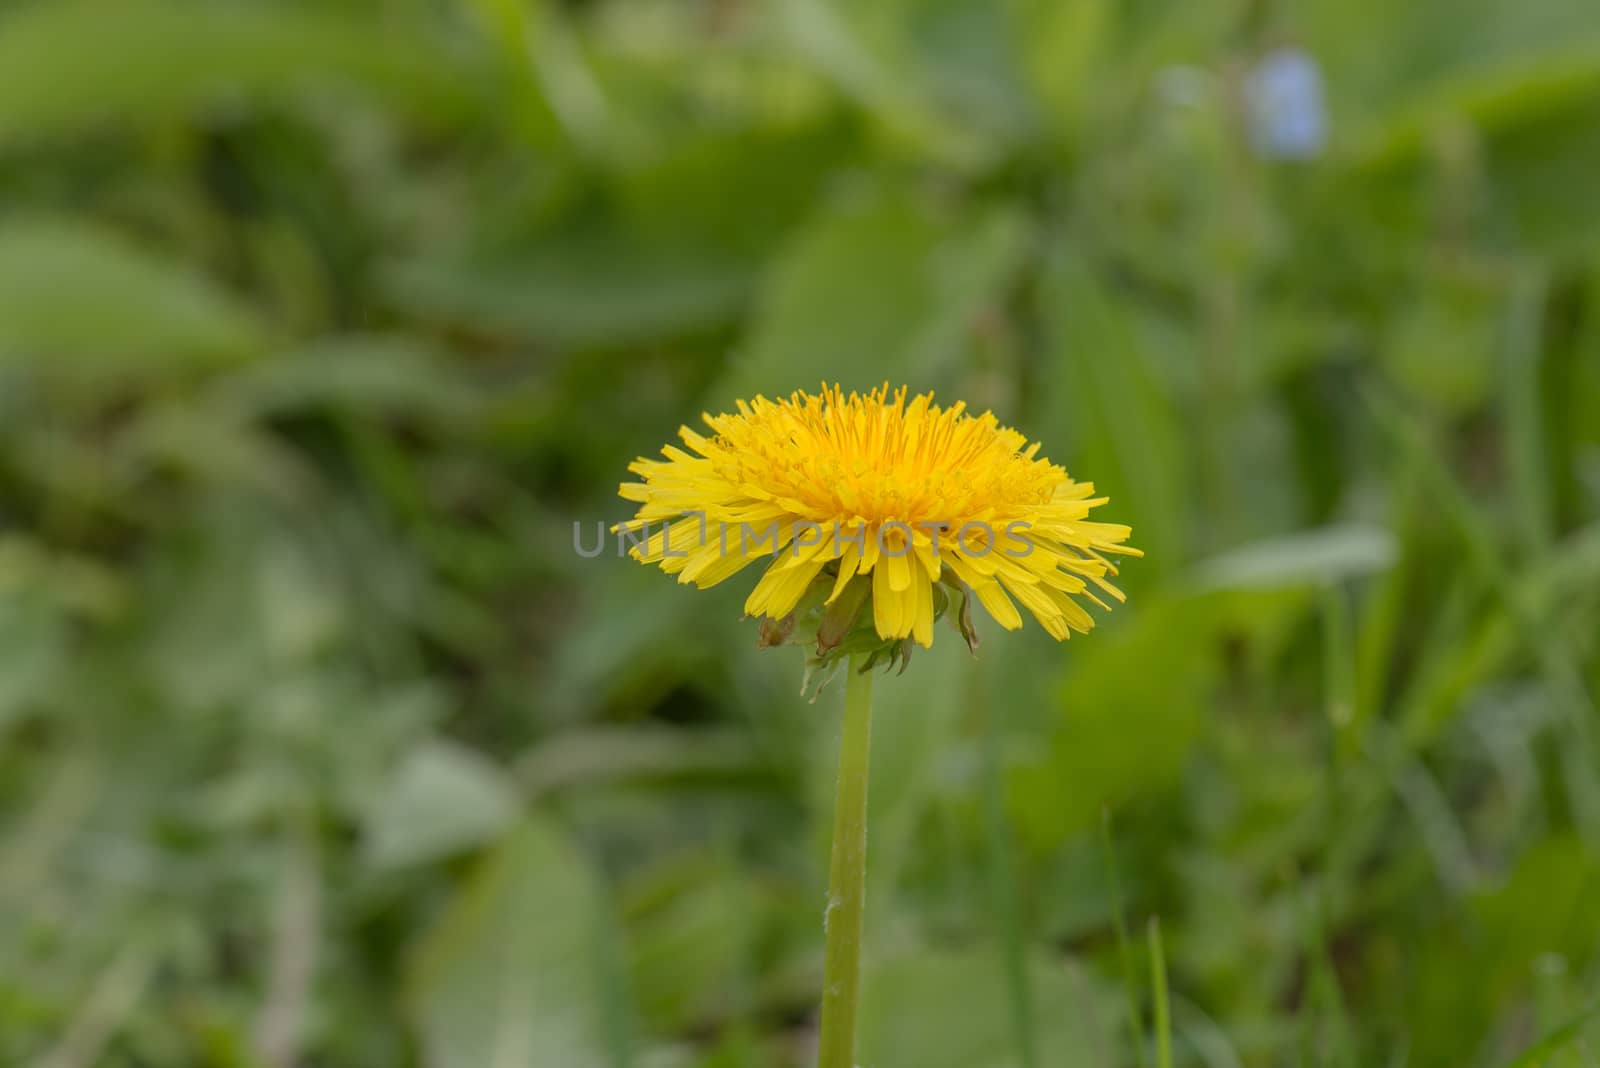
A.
pixel 1288 114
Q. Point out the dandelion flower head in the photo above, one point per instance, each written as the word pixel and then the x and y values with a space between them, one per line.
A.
pixel 893 496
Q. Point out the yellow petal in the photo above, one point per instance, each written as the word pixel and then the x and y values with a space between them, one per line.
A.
pixel 922 625
pixel 885 604
pixel 989 594
pixel 849 560
pixel 899 568
pixel 781 588
pixel 1037 600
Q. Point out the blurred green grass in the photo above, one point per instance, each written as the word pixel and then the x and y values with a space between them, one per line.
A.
pixel 321 324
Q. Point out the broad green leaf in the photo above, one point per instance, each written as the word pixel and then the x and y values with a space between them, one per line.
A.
pixel 1471 966
pixel 1063 45
pixel 1132 708
pixel 33 651
pixel 1440 61
pixel 1497 99
pixel 512 976
pixel 970 53
pixel 1537 165
pixel 866 59
pixel 592 291
pixel 940 77
pixel 948 1009
pixel 1313 556
pixel 1544 906
pixel 882 289
pixel 41 595
pixel 1442 344
pixel 73 66
pixel 94 302
pixel 356 373
pixel 442 799
pixel 681 194
pixel 1099 392
pixel 1562 1038
pixel 691 933
pixel 657 755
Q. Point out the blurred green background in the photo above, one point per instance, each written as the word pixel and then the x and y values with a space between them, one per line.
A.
pixel 321 324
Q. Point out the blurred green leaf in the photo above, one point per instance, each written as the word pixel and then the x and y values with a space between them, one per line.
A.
pixel 1538 164
pixel 866 58
pixel 1310 557
pixel 969 54
pixel 681 194
pixel 691 930
pixel 885 289
pixel 1567 1035
pixel 600 755
pixel 1473 964
pixel 511 975
pixel 442 799
pixel 1497 98
pixel 34 637
pixel 1482 59
pixel 369 374
pixel 593 290
pixel 947 1009
pixel 1099 392
pixel 77 65
pixel 1132 710
pixel 1063 45
pixel 87 299
pixel 1443 341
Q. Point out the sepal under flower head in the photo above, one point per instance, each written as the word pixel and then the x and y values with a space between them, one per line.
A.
pixel 832 631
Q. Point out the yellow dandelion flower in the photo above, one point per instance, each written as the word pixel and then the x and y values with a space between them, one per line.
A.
pixel 899 493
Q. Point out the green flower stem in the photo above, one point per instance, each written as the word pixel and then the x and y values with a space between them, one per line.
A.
pixel 847 878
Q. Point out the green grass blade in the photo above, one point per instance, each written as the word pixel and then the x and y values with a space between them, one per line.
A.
pixel 1524 346
pixel 1130 982
pixel 1556 1041
pixel 1158 983
pixel 1003 893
